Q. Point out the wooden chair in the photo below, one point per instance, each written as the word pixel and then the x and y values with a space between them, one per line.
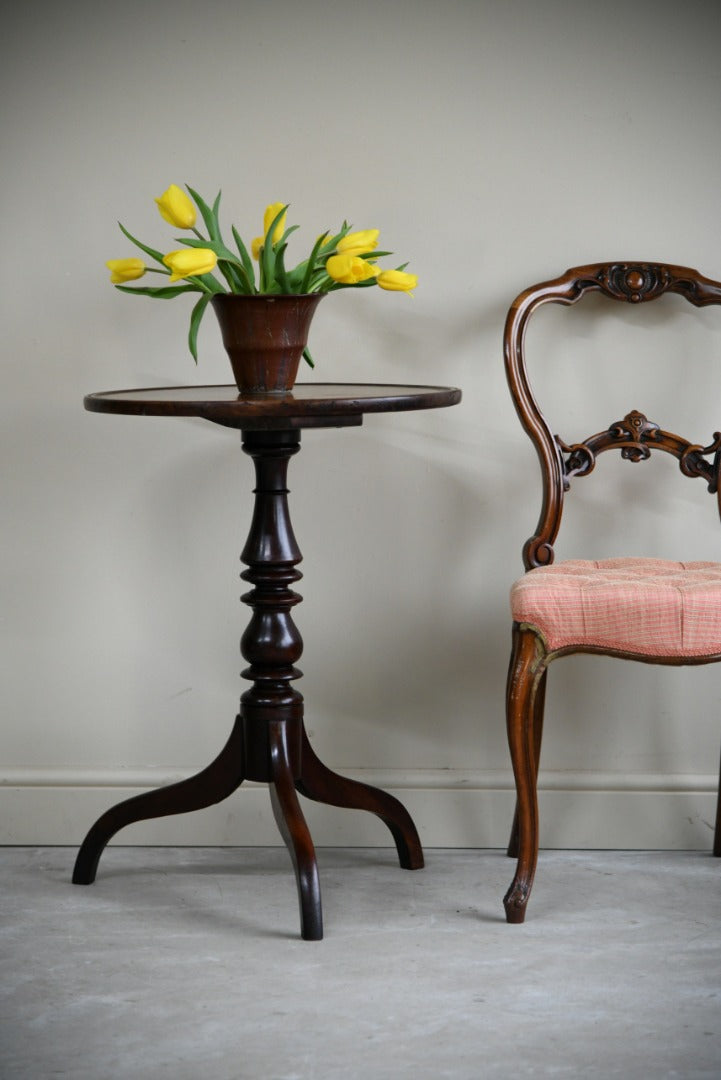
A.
pixel 651 610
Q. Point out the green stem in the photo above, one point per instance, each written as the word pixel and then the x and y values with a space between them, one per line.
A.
pixel 202 285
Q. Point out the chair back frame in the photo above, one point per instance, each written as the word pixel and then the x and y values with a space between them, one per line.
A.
pixel 635 435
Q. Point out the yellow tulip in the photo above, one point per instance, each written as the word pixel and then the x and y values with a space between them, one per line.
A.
pixel 271 212
pixel 350 269
pixel 125 270
pixel 190 262
pixel 176 208
pixel 255 246
pixel 358 243
pixel 397 280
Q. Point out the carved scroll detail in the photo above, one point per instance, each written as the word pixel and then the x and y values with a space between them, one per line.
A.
pixel 635 436
pixel 580 460
pixel 636 427
pixel 692 462
pixel 634 282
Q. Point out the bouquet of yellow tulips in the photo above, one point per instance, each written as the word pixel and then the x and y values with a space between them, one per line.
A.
pixel 340 260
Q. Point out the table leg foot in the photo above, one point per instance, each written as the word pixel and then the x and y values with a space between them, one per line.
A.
pixel 212 785
pixel 321 784
pixel 295 833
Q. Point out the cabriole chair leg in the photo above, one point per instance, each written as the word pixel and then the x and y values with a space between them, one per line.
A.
pixel 525 677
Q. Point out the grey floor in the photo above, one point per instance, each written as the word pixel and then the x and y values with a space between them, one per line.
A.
pixel 186 963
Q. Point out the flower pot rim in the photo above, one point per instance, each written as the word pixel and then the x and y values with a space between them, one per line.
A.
pixel 267 296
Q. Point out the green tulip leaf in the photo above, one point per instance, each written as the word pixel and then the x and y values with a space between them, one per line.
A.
pixel 195 319
pixel 319 281
pixel 330 245
pixel 216 219
pixel 296 277
pixel 157 255
pixel 335 285
pixel 267 268
pixel 280 272
pixel 308 358
pixel 308 275
pixel 245 259
pixel 208 283
pixel 166 292
pixel 208 215
pixel 234 283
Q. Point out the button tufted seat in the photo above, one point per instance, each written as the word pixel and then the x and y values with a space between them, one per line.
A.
pixel 649 607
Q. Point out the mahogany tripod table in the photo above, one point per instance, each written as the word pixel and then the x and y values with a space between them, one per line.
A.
pixel 268 742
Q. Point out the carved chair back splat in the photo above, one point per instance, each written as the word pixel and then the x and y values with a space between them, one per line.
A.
pixel 650 610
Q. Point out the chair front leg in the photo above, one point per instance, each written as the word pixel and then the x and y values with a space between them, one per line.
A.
pixel 526 679
pixel 539 705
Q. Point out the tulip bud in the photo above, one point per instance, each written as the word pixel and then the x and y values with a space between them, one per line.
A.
pixel 176 208
pixel 190 262
pixel 271 213
pixel 350 269
pixel 397 281
pixel 358 243
pixel 125 270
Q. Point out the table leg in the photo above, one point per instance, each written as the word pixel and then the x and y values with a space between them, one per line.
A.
pixel 220 779
pixel 295 832
pixel 320 783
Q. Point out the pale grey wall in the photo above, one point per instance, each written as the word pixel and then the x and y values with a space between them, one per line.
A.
pixel 494 144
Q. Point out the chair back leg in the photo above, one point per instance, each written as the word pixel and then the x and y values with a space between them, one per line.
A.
pixel 717 832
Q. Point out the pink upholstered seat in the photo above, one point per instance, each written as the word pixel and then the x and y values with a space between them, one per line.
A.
pixel 650 607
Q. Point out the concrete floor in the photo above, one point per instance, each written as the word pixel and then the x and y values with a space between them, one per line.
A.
pixel 186 964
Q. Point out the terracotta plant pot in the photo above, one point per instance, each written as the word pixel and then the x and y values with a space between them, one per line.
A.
pixel 264 337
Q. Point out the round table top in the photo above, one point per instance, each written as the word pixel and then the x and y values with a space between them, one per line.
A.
pixel 306 405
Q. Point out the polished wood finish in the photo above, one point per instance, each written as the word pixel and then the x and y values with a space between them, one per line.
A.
pixel 269 742
pixel 215 783
pixel 635 437
pixel 307 405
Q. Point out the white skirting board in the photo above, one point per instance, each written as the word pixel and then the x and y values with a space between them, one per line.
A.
pixel 451 808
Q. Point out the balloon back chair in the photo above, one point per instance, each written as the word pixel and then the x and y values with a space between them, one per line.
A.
pixel 651 610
